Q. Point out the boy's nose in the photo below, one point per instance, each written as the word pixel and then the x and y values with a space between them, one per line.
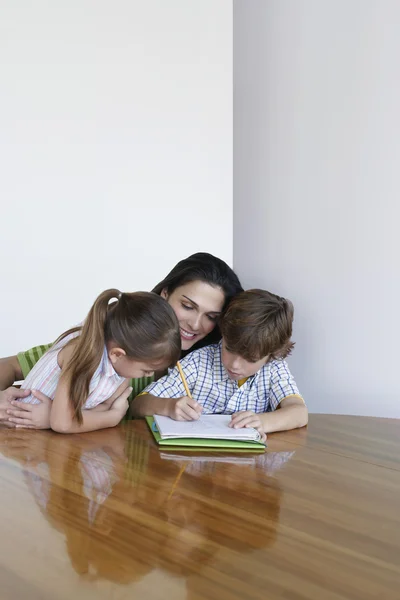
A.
pixel 235 367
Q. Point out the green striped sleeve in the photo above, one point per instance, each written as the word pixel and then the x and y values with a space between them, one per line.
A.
pixel 137 450
pixel 28 359
pixel 138 385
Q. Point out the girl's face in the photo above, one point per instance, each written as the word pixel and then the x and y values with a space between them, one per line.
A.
pixel 197 305
pixel 132 368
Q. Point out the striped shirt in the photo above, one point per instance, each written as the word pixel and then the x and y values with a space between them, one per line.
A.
pixel 98 475
pixel 211 386
pixel 29 358
pixel 46 373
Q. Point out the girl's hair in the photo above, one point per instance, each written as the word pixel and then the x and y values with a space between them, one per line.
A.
pixel 210 269
pixel 141 323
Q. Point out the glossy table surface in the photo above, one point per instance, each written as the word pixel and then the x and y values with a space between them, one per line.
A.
pixel 109 515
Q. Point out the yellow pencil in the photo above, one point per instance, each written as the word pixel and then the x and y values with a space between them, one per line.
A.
pixel 185 385
pixel 189 395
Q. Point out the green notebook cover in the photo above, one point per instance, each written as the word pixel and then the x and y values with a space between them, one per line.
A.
pixel 201 444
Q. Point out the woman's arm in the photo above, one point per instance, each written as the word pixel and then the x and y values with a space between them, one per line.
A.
pixel 16 368
pixel 10 371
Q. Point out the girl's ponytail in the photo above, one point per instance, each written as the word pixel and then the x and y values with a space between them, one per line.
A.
pixel 88 352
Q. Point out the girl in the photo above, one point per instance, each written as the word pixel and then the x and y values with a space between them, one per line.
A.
pixel 90 366
pixel 198 288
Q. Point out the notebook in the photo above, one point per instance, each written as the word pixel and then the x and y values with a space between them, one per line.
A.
pixel 202 459
pixel 210 432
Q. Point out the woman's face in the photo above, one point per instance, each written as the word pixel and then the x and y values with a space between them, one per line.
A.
pixel 197 305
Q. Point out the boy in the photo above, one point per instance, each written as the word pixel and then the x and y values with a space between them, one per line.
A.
pixel 244 375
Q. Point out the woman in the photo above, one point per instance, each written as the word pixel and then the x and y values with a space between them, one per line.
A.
pixel 198 289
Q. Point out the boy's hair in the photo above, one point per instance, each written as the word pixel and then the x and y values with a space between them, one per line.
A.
pixel 141 323
pixel 256 324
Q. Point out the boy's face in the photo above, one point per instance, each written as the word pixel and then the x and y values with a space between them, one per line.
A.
pixel 237 366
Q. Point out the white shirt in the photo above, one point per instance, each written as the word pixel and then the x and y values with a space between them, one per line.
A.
pixel 45 376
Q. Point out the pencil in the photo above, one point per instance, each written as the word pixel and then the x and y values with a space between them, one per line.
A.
pixel 189 395
pixel 185 385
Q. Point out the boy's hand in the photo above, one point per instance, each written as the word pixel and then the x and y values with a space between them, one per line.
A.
pixel 247 418
pixel 184 409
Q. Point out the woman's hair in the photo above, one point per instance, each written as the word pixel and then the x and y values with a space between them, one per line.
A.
pixel 257 324
pixel 141 323
pixel 203 267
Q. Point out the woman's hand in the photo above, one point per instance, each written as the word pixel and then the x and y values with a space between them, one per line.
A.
pixel 30 416
pixel 6 397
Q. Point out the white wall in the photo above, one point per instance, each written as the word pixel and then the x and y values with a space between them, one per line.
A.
pixel 317 187
pixel 115 151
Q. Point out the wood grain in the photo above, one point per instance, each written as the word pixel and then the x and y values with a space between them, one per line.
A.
pixel 109 515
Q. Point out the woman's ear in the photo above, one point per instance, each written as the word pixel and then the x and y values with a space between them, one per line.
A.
pixel 164 294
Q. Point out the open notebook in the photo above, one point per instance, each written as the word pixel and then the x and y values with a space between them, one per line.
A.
pixel 210 431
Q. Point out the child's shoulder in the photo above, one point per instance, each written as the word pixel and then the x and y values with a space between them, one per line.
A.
pixel 273 366
pixel 207 353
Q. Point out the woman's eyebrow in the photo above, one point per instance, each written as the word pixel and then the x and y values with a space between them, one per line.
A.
pixel 191 301
pixel 211 312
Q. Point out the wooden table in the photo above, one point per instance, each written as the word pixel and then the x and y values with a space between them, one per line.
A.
pixel 107 515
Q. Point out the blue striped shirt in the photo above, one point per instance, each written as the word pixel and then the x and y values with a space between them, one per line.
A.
pixel 211 386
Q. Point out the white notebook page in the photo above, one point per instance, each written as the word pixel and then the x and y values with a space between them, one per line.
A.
pixel 213 427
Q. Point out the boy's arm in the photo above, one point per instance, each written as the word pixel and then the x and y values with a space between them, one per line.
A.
pixel 290 414
pixel 288 410
pixel 167 396
pixel 180 409
pixel 146 405
pixel 288 407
